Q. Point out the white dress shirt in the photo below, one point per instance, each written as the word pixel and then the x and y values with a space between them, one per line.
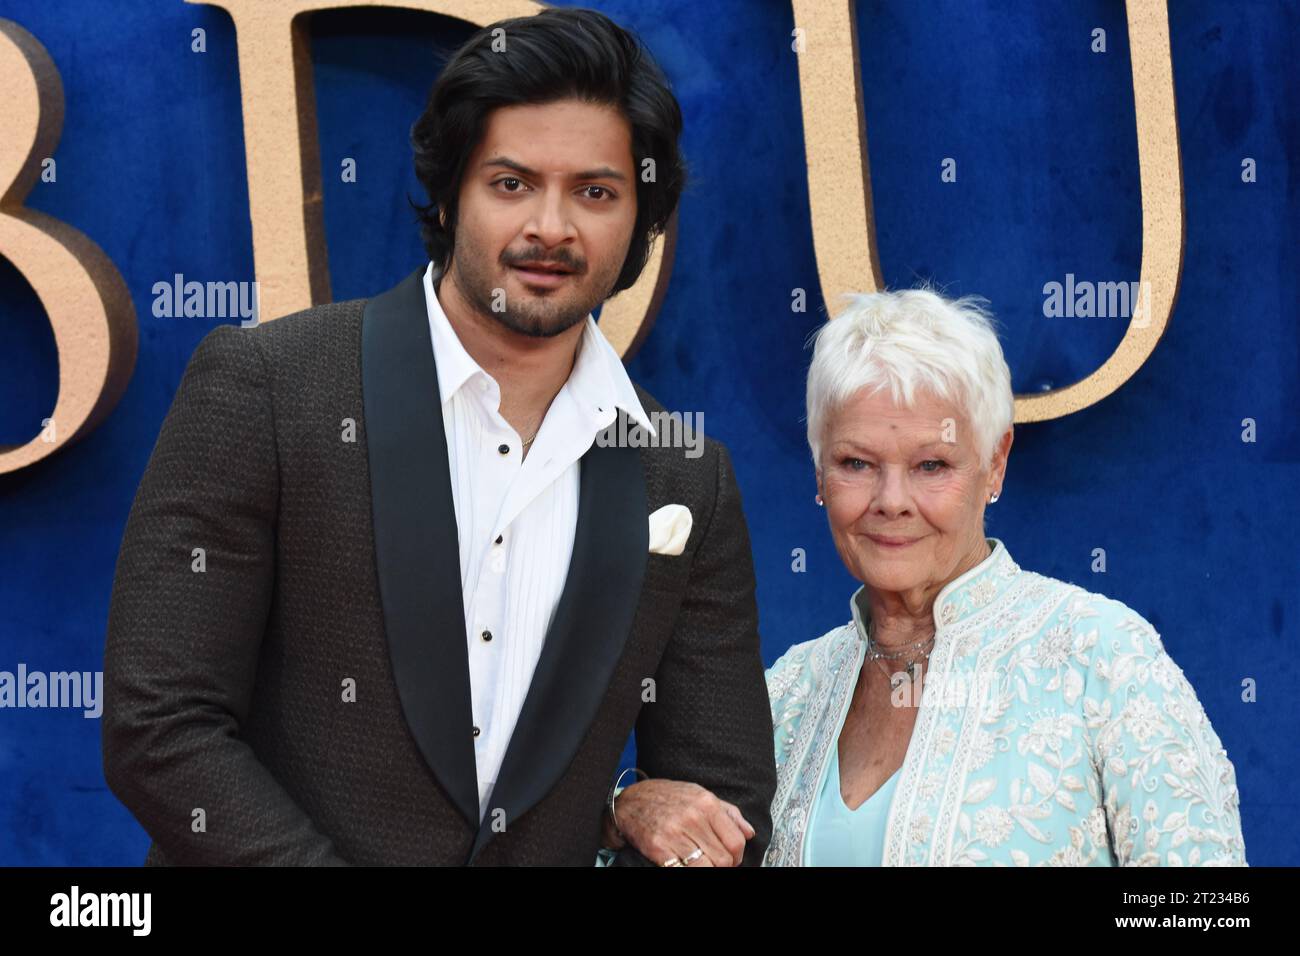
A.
pixel 516 516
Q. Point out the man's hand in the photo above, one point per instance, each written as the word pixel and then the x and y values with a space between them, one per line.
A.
pixel 664 819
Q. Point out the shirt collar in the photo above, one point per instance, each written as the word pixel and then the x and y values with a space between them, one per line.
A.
pixel 455 365
pixel 598 383
pixel 961 597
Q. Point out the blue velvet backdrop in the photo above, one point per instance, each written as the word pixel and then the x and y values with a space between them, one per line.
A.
pixel 1199 526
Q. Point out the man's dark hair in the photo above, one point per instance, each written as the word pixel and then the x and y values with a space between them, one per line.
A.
pixel 560 53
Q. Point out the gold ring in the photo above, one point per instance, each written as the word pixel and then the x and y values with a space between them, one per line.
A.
pixel 671 862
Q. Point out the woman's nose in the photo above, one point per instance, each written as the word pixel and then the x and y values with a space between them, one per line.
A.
pixel 892 497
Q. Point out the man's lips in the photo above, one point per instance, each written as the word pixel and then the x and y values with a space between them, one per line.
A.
pixel 543 274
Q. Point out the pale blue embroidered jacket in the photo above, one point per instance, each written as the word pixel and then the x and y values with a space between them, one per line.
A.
pixel 1053 730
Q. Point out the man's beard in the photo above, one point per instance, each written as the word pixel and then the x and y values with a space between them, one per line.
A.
pixel 536 316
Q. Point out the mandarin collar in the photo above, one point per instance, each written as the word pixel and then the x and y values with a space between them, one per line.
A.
pixel 961 597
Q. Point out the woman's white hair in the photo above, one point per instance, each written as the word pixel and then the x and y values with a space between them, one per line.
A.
pixel 911 341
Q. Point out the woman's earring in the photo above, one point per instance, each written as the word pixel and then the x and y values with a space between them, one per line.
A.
pixel 994 499
pixel 820 503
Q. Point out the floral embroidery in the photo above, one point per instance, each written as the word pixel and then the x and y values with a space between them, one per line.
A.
pixel 982 749
pixel 944 741
pixel 1142 719
pixel 1055 647
pixel 968 644
pixel 983 592
pixel 993 825
pixel 930 785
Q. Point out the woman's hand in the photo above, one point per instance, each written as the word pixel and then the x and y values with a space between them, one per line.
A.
pixel 666 819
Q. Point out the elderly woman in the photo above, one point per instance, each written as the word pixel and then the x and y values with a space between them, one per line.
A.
pixel 972 712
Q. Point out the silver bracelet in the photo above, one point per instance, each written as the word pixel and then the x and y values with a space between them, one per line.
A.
pixel 614 791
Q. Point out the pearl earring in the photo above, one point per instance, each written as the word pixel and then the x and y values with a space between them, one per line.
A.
pixel 994 499
pixel 820 503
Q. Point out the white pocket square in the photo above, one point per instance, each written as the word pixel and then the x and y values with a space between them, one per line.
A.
pixel 670 526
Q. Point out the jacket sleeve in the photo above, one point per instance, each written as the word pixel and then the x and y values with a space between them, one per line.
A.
pixel 1169 789
pixel 711 721
pixel 190 600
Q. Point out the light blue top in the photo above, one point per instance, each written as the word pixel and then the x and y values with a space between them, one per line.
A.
pixel 843 837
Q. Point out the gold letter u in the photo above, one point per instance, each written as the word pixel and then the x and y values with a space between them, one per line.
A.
pixel 839 189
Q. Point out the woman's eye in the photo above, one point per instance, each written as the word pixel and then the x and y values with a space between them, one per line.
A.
pixel 937 463
pixel 853 463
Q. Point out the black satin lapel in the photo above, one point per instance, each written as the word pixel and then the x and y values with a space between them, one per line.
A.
pixel 417 550
pixel 587 635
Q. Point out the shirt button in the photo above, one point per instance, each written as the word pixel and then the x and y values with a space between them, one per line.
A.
pixel 504 449
pixel 482 386
pixel 499 538
pixel 476 731
pixel 487 635
pixel 498 564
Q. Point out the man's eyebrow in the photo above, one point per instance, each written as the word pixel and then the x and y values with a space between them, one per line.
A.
pixel 600 172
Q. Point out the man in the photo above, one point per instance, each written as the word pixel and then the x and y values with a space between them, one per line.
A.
pixel 383 598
